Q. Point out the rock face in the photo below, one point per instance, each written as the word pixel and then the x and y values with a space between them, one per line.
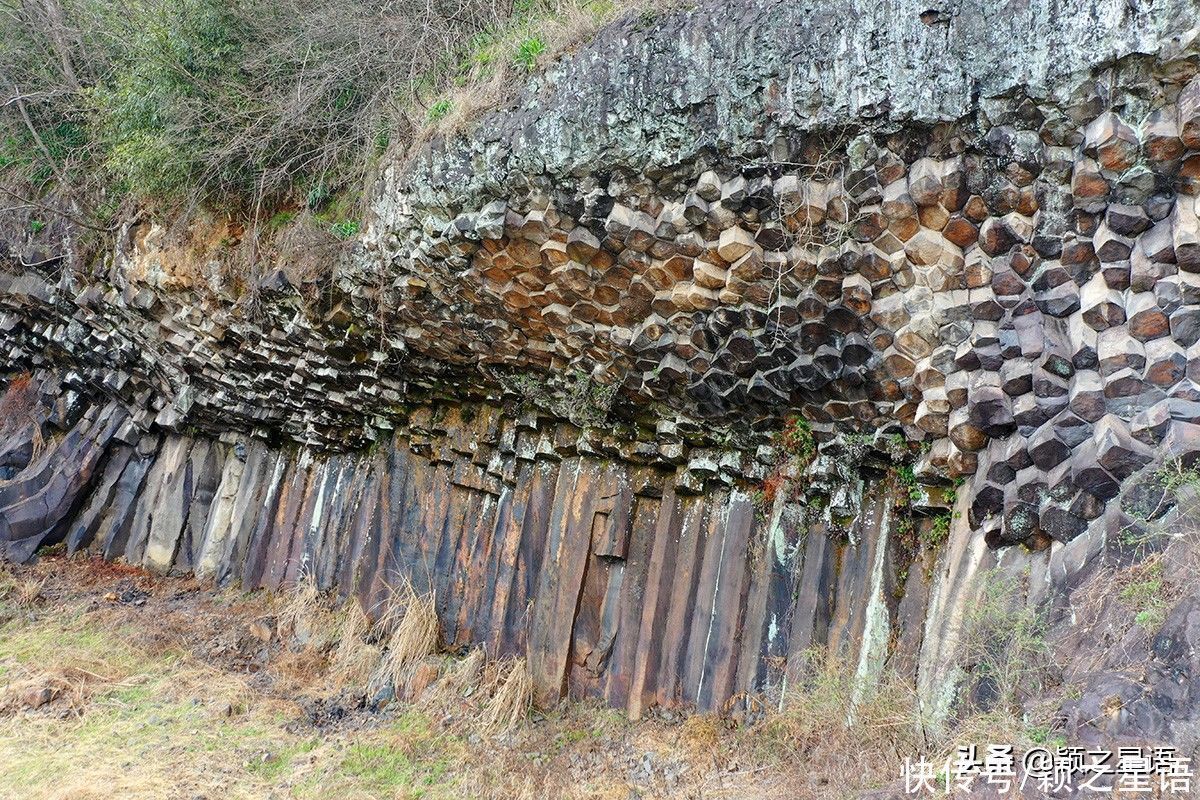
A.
pixel 622 582
pixel 571 332
pixel 994 257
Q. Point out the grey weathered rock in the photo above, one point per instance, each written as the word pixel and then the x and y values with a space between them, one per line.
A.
pixel 588 318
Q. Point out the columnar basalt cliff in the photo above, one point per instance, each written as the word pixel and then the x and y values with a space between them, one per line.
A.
pixel 548 385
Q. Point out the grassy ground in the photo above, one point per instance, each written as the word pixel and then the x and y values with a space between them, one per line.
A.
pixel 117 684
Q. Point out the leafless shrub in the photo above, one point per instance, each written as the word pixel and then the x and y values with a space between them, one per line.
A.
pixel 254 99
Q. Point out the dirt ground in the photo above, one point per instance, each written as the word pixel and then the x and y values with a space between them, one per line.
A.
pixel 116 683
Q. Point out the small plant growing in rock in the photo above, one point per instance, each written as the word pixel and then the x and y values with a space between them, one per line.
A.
pixel 939 532
pixel 797 440
pixel 908 481
pixel 796 448
pixel 1174 475
pixel 573 395
pixel 18 408
pixel 758 499
pixel 317 197
pixel 645 20
pixel 764 496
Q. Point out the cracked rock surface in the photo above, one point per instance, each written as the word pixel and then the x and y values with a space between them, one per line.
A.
pixel 970 227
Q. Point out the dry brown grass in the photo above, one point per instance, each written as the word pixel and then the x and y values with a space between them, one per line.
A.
pixel 19 409
pixel 307 252
pixel 202 725
pixel 355 657
pixel 461 679
pixel 411 627
pixel 60 661
pixel 28 592
pixel 8 581
pixel 307 616
pixel 513 698
pixel 701 735
pixel 357 654
pixel 842 730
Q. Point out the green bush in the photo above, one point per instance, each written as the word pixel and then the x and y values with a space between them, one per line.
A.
pixel 252 101
pixel 908 480
pixel 160 118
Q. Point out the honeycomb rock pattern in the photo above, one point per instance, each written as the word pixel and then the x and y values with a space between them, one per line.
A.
pixel 900 223
pixel 1004 269
pixel 1021 290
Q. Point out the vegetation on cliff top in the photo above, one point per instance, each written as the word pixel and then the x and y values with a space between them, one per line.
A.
pixel 255 104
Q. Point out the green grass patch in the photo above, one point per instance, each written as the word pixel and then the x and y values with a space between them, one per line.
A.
pixel 281 219
pixel 393 770
pixel 344 229
pixel 528 51
pixel 439 110
pixel 406 758
pixel 1146 594
pixel 67 640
